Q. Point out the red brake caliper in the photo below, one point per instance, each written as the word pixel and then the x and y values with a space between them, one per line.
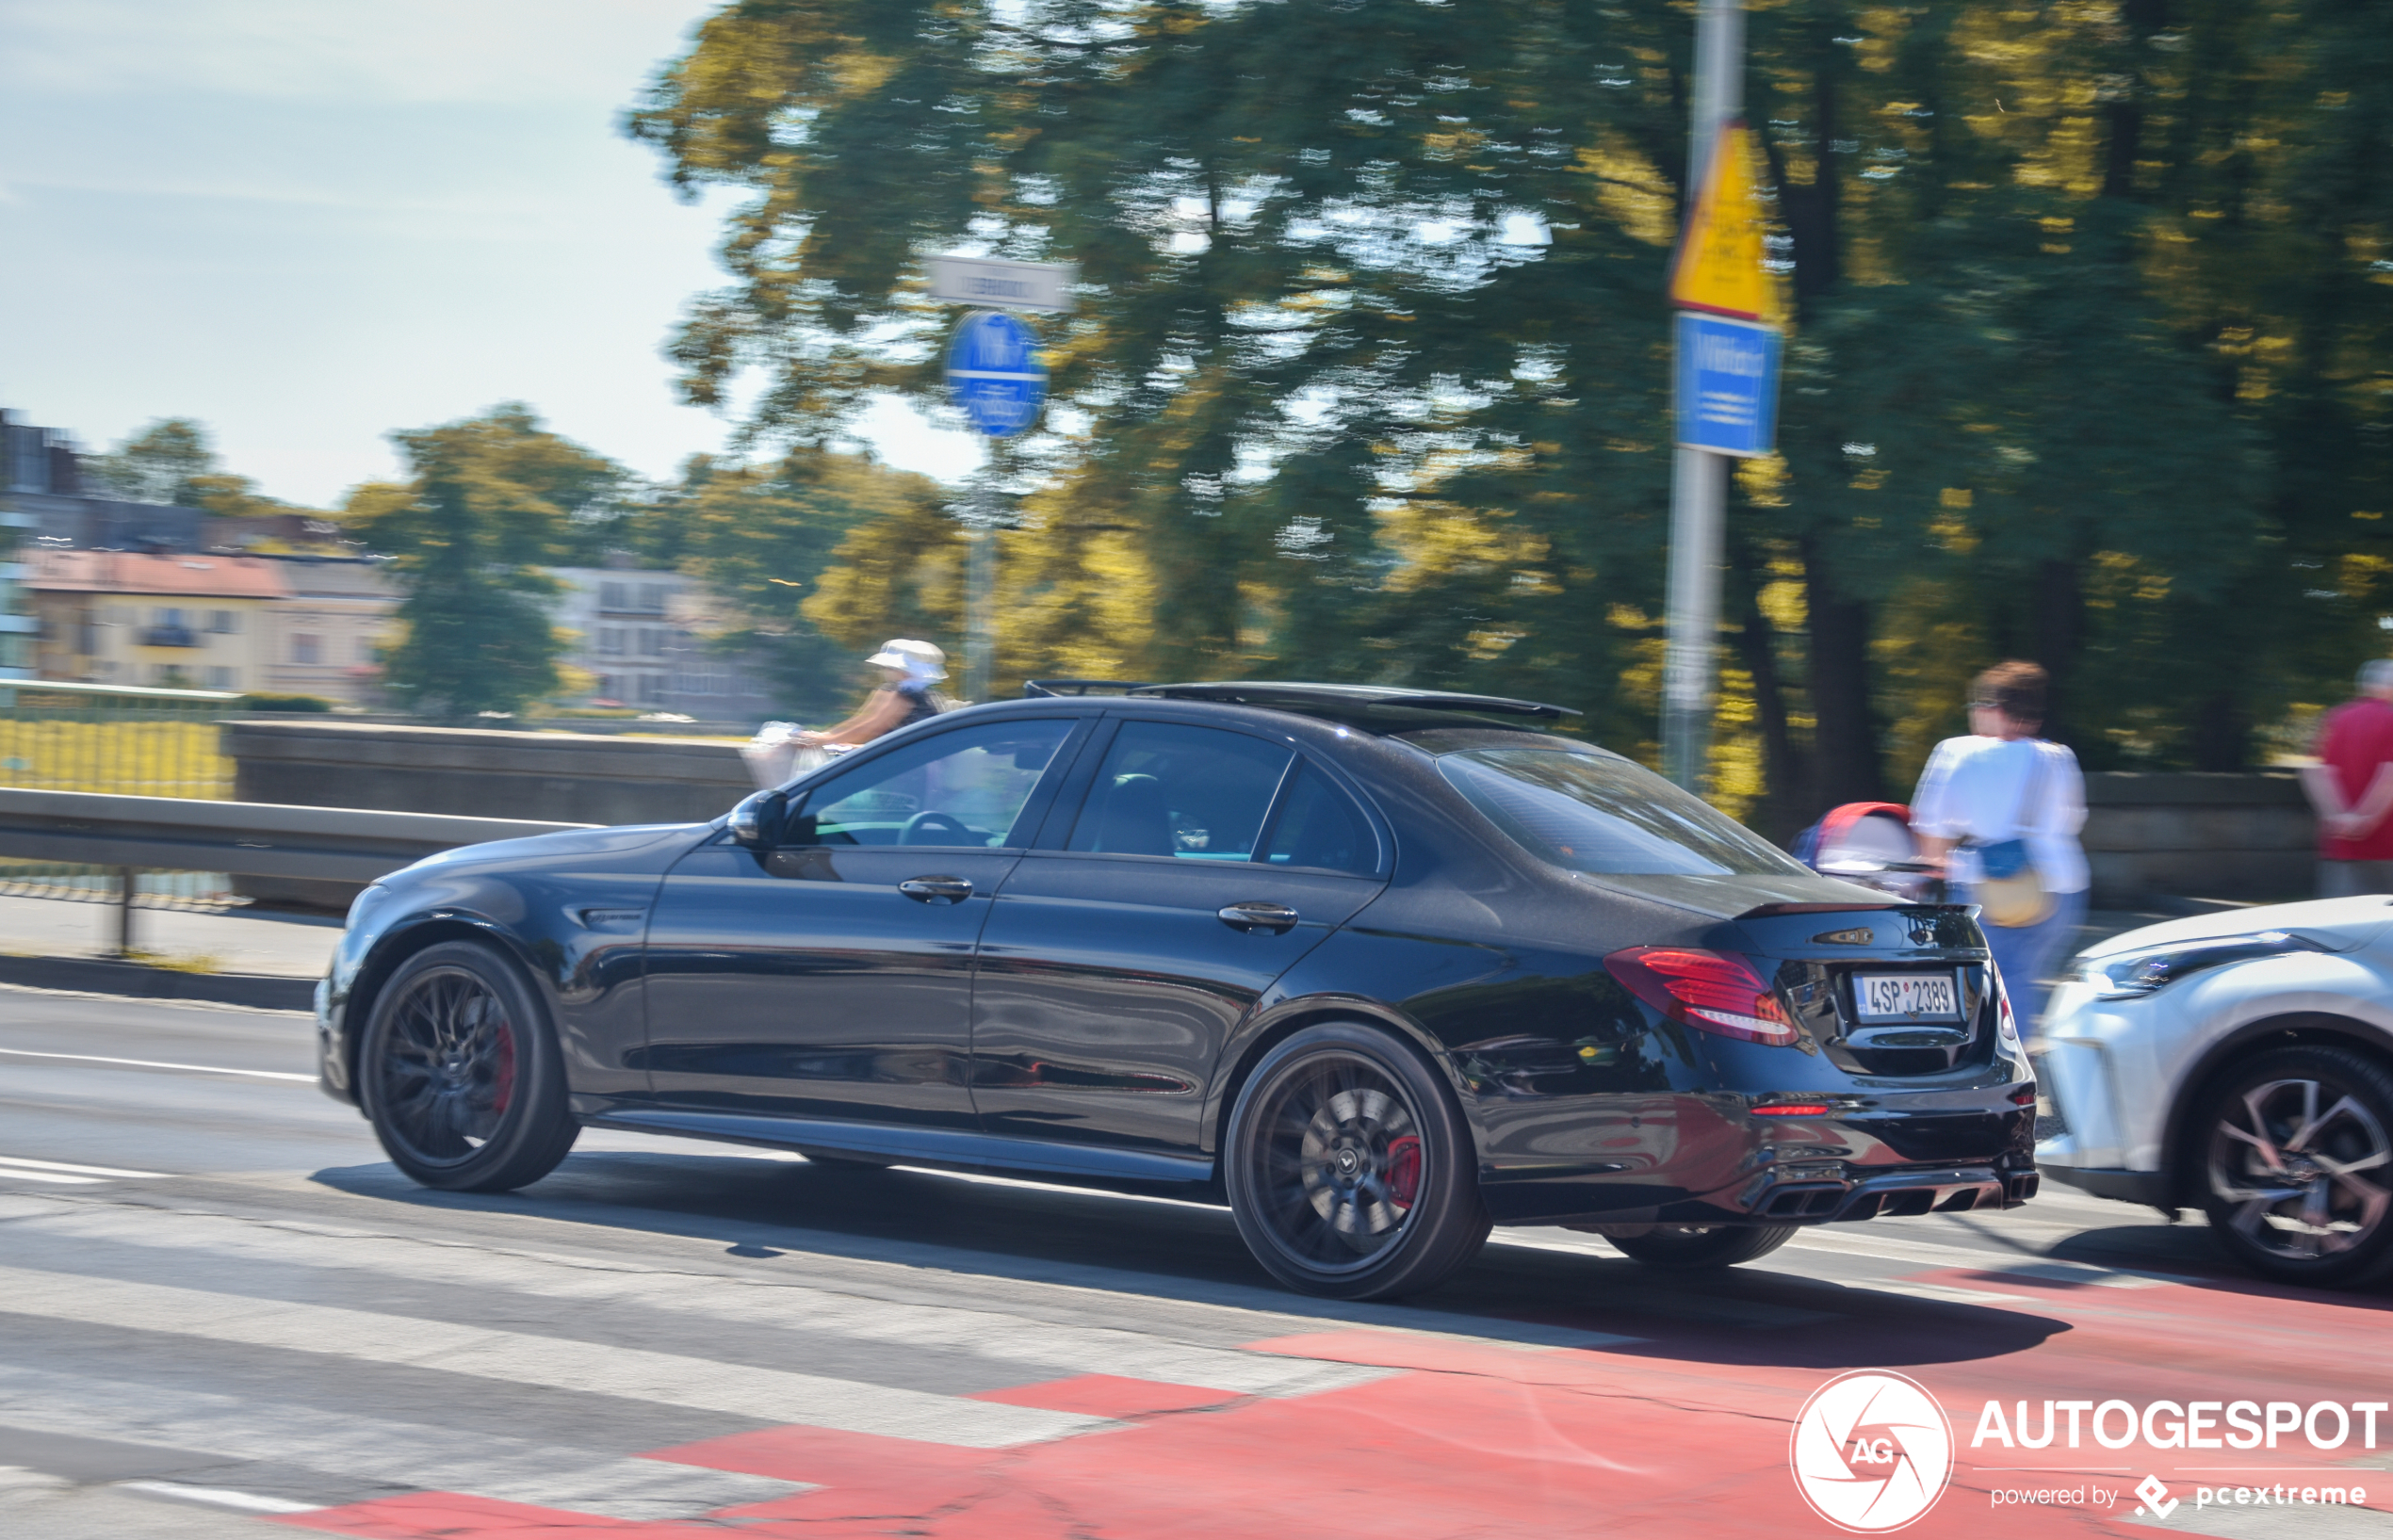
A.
pixel 1404 1170
pixel 503 1079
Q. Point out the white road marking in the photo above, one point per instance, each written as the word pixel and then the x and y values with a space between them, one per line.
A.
pixel 518 1358
pixel 222 1497
pixel 153 1063
pixel 372 1452
pixel 1891 1249
pixel 2076 1274
pixel 991 1334
pixel 51 1176
pixel 1942 1293
pixel 80 1171
pixel 302 1013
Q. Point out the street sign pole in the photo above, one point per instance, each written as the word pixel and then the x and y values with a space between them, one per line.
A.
pixel 980 598
pixel 1699 484
pixel 994 373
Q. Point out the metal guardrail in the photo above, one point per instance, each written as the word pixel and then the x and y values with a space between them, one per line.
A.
pixel 251 839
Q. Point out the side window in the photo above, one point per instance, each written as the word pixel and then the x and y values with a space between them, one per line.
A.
pixel 1320 826
pixel 1198 793
pixel 958 788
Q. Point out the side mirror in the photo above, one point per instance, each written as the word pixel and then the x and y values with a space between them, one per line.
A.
pixel 757 821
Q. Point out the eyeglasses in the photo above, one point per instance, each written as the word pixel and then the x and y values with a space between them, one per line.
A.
pixel 1985 705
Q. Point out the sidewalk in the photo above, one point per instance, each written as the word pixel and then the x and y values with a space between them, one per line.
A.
pixel 228 941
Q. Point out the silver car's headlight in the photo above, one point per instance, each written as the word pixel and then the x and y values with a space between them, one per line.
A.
pixel 2125 976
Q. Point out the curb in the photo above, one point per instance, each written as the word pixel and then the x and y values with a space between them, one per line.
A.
pixel 97 976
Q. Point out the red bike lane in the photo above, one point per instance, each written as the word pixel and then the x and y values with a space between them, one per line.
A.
pixel 1682 1432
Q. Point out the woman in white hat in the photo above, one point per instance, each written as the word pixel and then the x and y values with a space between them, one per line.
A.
pixel 908 671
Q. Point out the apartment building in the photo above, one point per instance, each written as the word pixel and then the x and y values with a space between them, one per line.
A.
pixel 31 459
pixel 183 621
pixel 637 632
pixel 326 636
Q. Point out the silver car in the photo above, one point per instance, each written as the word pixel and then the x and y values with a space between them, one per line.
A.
pixel 2242 1063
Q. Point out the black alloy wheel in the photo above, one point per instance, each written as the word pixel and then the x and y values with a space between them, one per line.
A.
pixel 2298 1167
pixel 1691 1246
pixel 1350 1170
pixel 461 1076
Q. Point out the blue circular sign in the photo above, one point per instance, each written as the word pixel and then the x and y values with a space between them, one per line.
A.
pixel 994 374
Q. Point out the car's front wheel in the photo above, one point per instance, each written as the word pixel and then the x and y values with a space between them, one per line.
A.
pixel 1350 1171
pixel 461 1076
pixel 2297 1165
pixel 1692 1246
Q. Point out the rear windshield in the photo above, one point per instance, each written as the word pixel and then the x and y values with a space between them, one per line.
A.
pixel 1595 813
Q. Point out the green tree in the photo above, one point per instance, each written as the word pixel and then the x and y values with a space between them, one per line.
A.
pixel 1353 277
pixel 490 501
pixel 780 550
pixel 2089 357
pixel 164 462
pixel 174 461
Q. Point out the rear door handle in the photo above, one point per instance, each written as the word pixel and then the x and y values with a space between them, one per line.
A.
pixel 1274 918
pixel 936 889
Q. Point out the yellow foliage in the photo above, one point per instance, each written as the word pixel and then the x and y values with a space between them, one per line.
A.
pixel 1629 190
pixel 1434 540
pixel 123 758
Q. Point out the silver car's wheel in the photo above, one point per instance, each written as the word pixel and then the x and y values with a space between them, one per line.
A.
pixel 2298 1165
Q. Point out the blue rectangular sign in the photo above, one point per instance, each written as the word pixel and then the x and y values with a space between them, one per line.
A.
pixel 1727 378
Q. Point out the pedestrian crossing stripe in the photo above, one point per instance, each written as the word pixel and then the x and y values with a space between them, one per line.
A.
pixel 64 1174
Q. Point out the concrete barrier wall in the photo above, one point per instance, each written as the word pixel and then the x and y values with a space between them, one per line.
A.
pixel 558 778
pixel 2198 835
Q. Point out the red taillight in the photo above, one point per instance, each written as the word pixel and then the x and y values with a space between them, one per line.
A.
pixel 1793 1110
pixel 1712 991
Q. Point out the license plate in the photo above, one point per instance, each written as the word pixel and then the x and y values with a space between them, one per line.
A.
pixel 1905 997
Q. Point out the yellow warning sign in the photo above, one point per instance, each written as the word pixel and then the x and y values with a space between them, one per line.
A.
pixel 1719 268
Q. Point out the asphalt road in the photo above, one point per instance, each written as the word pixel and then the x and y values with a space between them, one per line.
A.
pixel 220 1308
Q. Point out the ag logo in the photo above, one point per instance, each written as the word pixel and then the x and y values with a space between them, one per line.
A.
pixel 1872 1451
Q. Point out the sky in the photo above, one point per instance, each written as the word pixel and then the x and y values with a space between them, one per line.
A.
pixel 309 222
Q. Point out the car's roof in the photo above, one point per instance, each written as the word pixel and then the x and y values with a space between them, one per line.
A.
pixel 1379 710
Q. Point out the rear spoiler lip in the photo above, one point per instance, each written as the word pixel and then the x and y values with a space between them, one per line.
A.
pixel 1764 911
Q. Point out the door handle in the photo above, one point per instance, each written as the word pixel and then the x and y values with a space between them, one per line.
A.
pixel 1274 918
pixel 936 889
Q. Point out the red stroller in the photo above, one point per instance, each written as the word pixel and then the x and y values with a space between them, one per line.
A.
pixel 1869 843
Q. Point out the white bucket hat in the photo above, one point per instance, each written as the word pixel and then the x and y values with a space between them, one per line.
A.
pixel 920 659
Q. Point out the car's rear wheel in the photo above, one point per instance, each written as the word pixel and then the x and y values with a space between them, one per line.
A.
pixel 1690 1246
pixel 1350 1171
pixel 2297 1150
pixel 460 1074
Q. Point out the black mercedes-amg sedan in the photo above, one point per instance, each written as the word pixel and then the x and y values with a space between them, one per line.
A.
pixel 1378 968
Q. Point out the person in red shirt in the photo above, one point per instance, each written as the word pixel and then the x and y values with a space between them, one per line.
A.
pixel 2352 788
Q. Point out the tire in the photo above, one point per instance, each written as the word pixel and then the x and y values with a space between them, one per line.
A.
pixel 2296 1165
pixel 1689 1247
pixel 459 1073
pixel 1349 1169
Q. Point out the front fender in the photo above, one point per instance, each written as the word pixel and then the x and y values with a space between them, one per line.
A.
pixel 572 914
pixel 2127 1071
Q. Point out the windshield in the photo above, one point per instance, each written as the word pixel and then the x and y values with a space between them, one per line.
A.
pixel 1598 814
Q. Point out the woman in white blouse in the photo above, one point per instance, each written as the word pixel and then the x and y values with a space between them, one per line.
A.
pixel 2003 782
